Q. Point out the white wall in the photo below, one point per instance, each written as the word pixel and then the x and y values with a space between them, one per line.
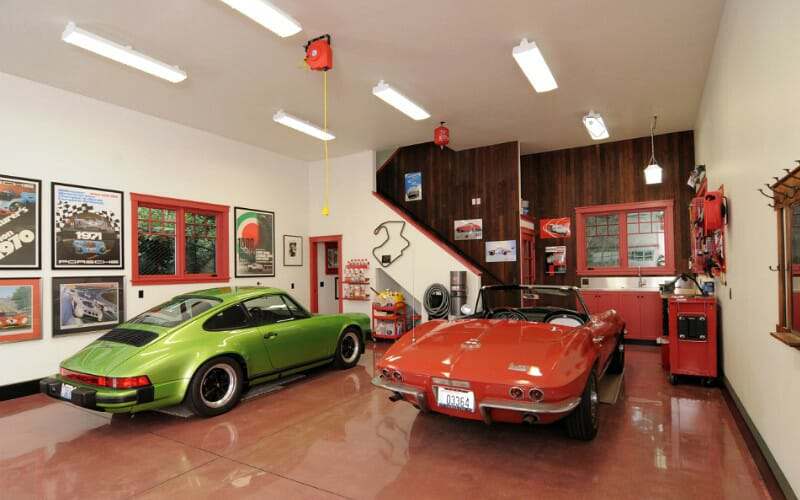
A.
pixel 327 295
pixel 355 212
pixel 747 131
pixel 52 135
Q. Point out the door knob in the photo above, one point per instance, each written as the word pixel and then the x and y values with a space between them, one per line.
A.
pixel 270 335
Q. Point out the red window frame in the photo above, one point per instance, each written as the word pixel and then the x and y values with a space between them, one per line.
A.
pixel 220 212
pixel 622 210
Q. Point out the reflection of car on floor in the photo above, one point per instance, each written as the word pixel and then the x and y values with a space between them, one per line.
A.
pixel 533 364
pixel 468 228
pixel 14 320
pixel 11 201
pixel 83 307
pixel 203 349
pixel 499 251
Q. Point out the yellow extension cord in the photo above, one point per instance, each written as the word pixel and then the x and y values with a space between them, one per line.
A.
pixel 325 210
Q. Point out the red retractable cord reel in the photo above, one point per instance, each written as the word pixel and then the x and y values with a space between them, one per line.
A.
pixel 319 55
pixel 441 135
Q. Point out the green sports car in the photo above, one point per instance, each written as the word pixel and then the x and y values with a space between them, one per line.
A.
pixel 203 349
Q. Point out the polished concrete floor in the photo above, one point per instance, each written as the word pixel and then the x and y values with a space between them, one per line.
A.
pixel 333 435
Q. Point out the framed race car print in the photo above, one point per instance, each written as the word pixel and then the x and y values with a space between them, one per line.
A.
pixel 20 223
pixel 87 227
pixel 87 303
pixel 254 233
pixel 20 310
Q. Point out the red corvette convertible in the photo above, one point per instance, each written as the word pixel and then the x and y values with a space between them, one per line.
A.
pixel 528 354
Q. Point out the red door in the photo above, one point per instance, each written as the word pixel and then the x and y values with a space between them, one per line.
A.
pixel 527 261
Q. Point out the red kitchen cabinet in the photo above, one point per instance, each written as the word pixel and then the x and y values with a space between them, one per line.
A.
pixel 641 311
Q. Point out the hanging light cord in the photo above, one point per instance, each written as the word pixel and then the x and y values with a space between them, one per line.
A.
pixel 325 208
pixel 652 140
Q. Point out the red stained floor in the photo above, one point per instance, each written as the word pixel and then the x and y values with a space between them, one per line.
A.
pixel 333 435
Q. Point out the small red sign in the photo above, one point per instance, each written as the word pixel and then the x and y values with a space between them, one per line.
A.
pixel 555 228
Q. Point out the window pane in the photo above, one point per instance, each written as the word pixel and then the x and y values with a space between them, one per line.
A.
pixel 602 251
pixel 143 212
pixel 229 319
pixel 267 310
pixel 156 249
pixel 647 244
pixel 201 243
pixel 633 228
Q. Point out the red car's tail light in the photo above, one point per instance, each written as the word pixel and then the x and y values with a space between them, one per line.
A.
pixel 516 392
pixel 536 394
pixel 111 382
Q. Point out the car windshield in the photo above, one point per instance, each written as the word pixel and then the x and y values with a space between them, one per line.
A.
pixel 533 303
pixel 176 311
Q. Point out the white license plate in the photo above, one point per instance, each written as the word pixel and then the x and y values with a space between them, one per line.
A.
pixel 66 391
pixel 456 400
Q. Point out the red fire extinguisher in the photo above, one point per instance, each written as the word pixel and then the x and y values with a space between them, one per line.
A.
pixel 441 136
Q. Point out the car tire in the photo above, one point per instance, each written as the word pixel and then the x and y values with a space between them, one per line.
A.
pixel 348 350
pixel 584 421
pixel 617 364
pixel 216 387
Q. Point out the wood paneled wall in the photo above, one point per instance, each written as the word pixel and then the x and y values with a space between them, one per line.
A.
pixel 555 182
pixel 450 180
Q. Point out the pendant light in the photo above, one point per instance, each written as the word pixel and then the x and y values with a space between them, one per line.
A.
pixel 652 173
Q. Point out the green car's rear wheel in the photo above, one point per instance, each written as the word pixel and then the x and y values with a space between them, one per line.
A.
pixel 349 349
pixel 216 387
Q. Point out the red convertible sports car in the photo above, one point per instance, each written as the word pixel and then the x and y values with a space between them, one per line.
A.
pixel 531 354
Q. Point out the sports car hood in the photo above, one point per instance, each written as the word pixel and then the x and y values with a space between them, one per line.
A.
pixel 102 356
pixel 487 350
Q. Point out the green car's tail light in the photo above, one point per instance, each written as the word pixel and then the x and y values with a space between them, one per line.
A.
pixel 111 382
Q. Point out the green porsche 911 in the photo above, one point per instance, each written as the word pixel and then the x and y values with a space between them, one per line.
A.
pixel 203 349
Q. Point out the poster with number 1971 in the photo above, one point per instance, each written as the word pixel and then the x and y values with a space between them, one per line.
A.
pixel 20 223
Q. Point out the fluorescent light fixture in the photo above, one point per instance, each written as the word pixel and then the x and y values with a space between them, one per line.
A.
pixel 267 15
pixel 125 55
pixel 302 126
pixel 394 98
pixel 595 126
pixel 530 59
pixel 652 174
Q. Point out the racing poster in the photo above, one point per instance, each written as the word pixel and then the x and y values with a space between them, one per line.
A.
pixel 555 228
pixel 20 221
pixel 87 303
pixel 254 233
pixel 413 186
pixel 87 228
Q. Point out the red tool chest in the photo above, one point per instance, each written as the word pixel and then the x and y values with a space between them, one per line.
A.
pixel 693 337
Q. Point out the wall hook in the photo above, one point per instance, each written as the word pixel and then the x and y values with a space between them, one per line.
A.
pixel 774 269
pixel 765 194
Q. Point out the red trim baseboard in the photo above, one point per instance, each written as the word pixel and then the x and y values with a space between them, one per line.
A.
pixel 428 234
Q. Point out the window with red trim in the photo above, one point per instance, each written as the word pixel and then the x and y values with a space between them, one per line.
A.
pixel 626 239
pixel 178 241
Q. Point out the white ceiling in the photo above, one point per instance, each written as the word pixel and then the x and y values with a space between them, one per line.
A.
pixel 626 59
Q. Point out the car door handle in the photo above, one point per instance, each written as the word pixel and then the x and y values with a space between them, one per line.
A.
pixel 270 335
pixel 598 340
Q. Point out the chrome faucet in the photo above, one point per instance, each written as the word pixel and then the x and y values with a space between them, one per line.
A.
pixel 642 281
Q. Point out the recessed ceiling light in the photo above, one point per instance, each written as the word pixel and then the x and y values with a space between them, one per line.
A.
pixel 595 126
pixel 394 98
pixel 125 55
pixel 530 59
pixel 267 15
pixel 302 126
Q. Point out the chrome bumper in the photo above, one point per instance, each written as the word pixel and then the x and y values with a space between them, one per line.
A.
pixel 487 405
pixel 418 393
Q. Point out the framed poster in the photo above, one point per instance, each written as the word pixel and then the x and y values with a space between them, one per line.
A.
pixel 20 223
pixel 413 186
pixel 555 228
pixel 254 233
pixel 468 229
pixel 331 257
pixel 292 250
pixel 501 251
pixel 87 227
pixel 555 260
pixel 87 303
pixel 20 310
